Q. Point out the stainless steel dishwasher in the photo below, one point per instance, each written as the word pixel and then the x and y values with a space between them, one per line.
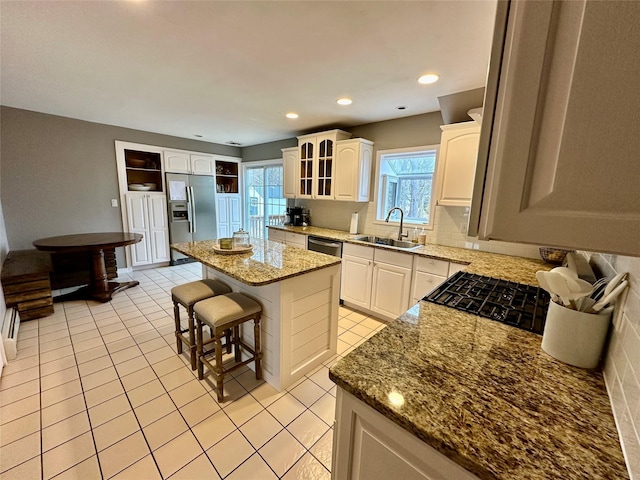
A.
pixel 322 245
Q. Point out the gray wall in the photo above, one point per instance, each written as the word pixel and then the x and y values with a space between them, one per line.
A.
pixel 267 151
pixel 58 174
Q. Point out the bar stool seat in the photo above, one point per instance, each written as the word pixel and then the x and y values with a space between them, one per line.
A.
pixel 223 313
pixel 188 295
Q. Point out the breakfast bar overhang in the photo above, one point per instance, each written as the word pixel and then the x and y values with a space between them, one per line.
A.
pixel 299 293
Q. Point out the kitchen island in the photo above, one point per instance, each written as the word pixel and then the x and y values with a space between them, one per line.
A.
pixel 299 294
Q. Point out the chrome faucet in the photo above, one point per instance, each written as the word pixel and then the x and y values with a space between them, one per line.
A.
pixel 400 234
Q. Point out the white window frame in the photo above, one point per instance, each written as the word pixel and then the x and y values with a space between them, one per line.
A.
pixel 379 179
pixel 245 166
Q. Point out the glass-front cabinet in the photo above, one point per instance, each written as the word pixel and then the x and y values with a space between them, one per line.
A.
pixel 317 165
pixel 306 170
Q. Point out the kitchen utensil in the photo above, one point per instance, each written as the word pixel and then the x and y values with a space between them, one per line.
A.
pixel 576 262
pixel 544 284
pixel 575 284
pixel 568 290
pixel 615 281
pixel 606 299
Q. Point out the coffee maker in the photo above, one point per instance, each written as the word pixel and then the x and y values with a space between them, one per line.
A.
pixel 297 216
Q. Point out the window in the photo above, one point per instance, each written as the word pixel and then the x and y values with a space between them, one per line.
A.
pixel 264 202
pixel 405 180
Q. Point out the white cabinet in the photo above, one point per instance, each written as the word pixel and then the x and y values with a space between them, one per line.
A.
pixel 369 446
pixel 185 162
pixel 147 215
pixel 316 163
pixel 357 275
pixel 428 273
pixel 289 167
pixel 457 163
pixel 276 235
pixel 295 240
pixel 229 213
pixel 391 283
pixel 376 280
pixel 354 160
pixel 558 157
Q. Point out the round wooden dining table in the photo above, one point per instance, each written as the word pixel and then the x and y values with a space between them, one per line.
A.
pixel 99 288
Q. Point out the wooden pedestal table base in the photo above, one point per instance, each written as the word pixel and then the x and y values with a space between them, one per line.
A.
pixel 99 288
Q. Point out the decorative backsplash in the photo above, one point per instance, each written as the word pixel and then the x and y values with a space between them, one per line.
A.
pixel 622 360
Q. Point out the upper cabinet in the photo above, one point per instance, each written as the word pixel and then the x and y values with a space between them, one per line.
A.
pixel 185 162
pixel 457 163
pixel 227 176
pixel 328 165
pixel 289 165
pixel 317 163
pixel 558 155
pixel 353 170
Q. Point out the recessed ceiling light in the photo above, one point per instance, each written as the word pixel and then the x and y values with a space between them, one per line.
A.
pixel 401 107
pixel 344 101
pixel 198 136
pixel 231 142
pixel 428 78
pixel 291 115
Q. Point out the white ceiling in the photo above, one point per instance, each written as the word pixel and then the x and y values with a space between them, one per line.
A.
pixel 229 71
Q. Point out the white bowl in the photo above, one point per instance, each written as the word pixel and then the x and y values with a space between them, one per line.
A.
pixel 138 187
pixel 152 186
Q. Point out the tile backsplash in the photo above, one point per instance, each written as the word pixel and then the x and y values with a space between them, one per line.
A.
pixel 447 226
pixel 622 359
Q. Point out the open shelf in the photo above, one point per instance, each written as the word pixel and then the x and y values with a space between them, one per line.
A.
pixel 226 177
pixel 143 167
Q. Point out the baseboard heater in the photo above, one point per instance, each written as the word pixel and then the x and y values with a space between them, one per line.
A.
pixel 10 326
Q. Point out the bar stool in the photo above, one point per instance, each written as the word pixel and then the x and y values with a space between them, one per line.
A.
pixel 188 295
pixel 222 313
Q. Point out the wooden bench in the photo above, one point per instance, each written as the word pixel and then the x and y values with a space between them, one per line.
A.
pixel 26 284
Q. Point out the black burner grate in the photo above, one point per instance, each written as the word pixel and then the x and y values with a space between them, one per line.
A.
pixel 515 304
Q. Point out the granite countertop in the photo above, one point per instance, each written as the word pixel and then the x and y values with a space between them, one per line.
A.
pixel 269 262
pixel 506 267
pixel 485 395
pixel 482 393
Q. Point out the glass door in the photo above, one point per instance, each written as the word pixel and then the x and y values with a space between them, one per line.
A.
pixel 265 204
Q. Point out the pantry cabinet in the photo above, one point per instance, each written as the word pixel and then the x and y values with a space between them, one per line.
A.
pixel 229 214
pixel 147 215
pixel 457 163
pixel 559 141
pixel 290 172
pixel 353 170
pixel 189 163
pixel 316 163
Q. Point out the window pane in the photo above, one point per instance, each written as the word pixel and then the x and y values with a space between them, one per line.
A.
pixel 406 181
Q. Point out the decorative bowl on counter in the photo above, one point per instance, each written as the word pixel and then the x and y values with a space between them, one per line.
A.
pixel 552 255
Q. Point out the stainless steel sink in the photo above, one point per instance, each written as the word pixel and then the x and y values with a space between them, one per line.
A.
pixel 391 242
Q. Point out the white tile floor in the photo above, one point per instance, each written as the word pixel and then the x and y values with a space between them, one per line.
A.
pixel 98 391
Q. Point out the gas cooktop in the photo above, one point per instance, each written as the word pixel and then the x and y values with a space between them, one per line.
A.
pixel 511 303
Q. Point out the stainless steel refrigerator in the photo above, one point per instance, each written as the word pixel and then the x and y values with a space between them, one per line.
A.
pixel 192 210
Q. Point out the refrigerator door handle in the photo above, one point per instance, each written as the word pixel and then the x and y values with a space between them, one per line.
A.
pixel 193 210
pixel 189 210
